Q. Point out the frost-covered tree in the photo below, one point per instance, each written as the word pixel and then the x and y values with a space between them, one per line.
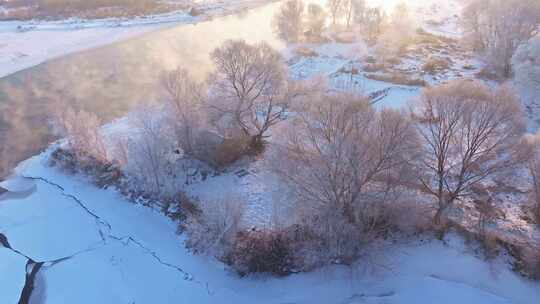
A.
pixel 339 152
pixel 496 28
pixel 343 161
pixel 398 33
pixel 289 20
pixel 82 132
pixel 249 88
pixel 359 8
pixel 316 20
pixel 149 147
pixel 354 11
pixel 336 9
pixel 186 101
pixel 526 64
pixel 469 134
pixel 374 21
pixel 531 150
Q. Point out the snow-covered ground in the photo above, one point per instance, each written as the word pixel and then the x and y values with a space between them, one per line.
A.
pixel 24 44
pixel 99 248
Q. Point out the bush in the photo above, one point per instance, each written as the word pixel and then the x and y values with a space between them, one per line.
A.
pixel 104 173
pixel 213 226
pixel 436 65
pixel 527 261
pixel 180 207
pixel 262 252
pixel 231 150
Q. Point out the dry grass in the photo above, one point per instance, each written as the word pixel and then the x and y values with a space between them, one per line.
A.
pixel 231 150
pixel 305 52
pixel 397 78
pixel 436 65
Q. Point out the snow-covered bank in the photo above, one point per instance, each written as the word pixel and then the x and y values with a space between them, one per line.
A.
pixel 26 44
pixel 131 254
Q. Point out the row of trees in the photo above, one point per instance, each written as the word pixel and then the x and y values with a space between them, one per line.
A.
pixel 293 20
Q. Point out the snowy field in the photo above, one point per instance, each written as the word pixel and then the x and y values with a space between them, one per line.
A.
pixel 125 253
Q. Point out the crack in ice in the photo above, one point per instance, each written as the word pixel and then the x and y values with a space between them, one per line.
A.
pixel 109 235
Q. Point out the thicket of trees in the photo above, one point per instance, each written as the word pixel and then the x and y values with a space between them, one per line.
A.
pixel 469 133
pixel 391 34
pixel 345 162
pixel 249 90
pixel 352 170
pixel 526 66
pixel 496 28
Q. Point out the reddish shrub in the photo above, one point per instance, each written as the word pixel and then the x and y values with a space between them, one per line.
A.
pixel 261 252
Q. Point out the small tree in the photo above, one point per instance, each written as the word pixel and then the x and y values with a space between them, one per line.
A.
pixel 316 20
pixel 359 8
pixel 341 158
pixel 186 99
pixel 249 90
pixel 469 134
pixel 374 23
pixel 397 35
pixel 149 147
pixel 336 9
pixel 531 150
pixel 82 131
pixel 289 20
pixel 526 63
pixel 215 228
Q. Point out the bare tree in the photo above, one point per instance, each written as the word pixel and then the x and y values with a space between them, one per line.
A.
pixel 469 134
pixel 337 9
pixel 353 10
pixel 150 144
pixel 249 89
pixel 374 23
pixel 530 150
pixel 82 131
pixel 359 8
pixel 316 20
pixel 215 229
pixel 526 64
pixel 397 34
pixel 340 151
pixel 289 20
pixel 344 162
pixel 498 27
pixel 186 99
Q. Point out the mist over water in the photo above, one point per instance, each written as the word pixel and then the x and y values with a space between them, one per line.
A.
pixel 110 80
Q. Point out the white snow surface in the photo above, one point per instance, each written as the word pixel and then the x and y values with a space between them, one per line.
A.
pixel 12 275
pixel 141 259
pixel 100 248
